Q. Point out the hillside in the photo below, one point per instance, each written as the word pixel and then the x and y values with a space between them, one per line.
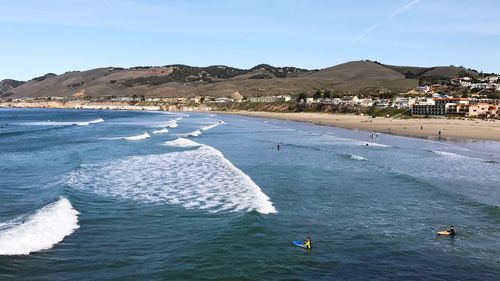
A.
pixel 7 85
pixel 444 72
pixel 188 81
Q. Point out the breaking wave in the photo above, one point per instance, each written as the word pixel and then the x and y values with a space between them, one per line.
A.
pixel 453 156
pixel 200 178
pixel 171 123
pixel 194 133
pixel 138 137
pixel 181 142
pixel 347 141
pixel 40 231
pixel 131 138
pixel 64 123
pixel 356 157
pixel 161 131
pixel 208 127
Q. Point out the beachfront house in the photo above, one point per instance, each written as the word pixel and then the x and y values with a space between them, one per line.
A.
pixel 382 103
pixel 436 106
pixel 274 99
pixel 223 100
pixel 481 109
pixel 403 103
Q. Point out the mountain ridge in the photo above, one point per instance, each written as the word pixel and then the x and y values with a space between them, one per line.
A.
pixel 179 80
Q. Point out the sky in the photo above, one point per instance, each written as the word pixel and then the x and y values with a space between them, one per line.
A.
pixel 41 36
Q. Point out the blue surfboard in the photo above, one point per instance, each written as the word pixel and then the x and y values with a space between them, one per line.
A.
pixel 298 243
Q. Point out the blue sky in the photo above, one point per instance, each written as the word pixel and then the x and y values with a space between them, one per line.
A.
pixel 41 36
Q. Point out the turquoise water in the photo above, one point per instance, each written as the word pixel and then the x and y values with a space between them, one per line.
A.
pixel 116 195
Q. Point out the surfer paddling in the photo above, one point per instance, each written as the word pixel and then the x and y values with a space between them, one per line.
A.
pixel 308 243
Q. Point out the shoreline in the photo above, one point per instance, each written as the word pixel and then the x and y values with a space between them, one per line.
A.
pixel 427 128
pixel 451 128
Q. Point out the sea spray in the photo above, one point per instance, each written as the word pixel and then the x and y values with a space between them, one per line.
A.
pixel 40 231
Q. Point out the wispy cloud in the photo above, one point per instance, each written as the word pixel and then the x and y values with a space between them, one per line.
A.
pixel 400 10
pixel 404 8
pixel 364 33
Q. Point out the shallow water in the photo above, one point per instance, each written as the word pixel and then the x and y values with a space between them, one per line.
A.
pixel 172 196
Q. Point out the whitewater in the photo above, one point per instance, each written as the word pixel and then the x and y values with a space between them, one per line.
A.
pixel 146 195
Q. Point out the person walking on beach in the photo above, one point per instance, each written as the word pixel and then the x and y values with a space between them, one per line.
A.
pixel 421 127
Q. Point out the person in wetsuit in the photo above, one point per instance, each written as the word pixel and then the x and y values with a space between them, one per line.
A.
pixel 451 231
pixel 307 243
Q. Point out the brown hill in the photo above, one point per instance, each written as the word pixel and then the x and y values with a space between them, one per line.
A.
pixel 357 75
pixel 7 85
pixel 219 80
pixel 449 72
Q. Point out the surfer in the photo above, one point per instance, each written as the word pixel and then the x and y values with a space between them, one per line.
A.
pixel 451 231
pixel 278 147
pixel 307 243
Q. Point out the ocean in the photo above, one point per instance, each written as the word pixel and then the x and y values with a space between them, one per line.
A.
pixel 137 195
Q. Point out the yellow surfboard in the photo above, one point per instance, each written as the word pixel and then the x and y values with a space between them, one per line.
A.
pixel 444 232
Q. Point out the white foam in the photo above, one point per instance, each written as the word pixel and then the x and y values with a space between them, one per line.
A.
pixel 182 142
pixel 347 141
pixel 194 133
pixel 138 137
pixel 40 231
pixel 208 127
pixel 131 138
pixel 161 131
pixel 170 124
pixel 454 156
pixel 359 158
pixel 64 123
pixel 195 179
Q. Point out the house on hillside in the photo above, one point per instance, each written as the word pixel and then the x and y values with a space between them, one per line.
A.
pixel 271 99
pixel 382 103
pixel 465 82
pixel 223 100
pixel 403 103
pixel 492 79
pixel 423 89
pixel 479 86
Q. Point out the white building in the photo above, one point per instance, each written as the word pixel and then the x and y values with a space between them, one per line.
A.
pixel 423 89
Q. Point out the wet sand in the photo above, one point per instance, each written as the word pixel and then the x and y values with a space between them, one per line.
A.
pixel 411 127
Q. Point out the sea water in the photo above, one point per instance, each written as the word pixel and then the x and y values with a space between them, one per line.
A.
pixel 119 195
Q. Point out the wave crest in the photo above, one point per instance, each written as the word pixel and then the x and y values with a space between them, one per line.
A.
pixel 161 131
pixel 182 142
pixel 65 123
pixel 40 231
pixel 201 178
pixel 356 157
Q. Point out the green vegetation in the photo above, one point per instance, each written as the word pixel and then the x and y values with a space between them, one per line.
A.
pixel 392 112
pixel 317 95
pixel 41 78
pixel 301 96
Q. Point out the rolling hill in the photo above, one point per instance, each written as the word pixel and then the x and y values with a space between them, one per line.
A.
pixel 219 80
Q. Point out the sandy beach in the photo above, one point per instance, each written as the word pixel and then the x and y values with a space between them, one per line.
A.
pixel 413 127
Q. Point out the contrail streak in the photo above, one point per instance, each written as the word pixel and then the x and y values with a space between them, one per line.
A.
pixel 375 26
